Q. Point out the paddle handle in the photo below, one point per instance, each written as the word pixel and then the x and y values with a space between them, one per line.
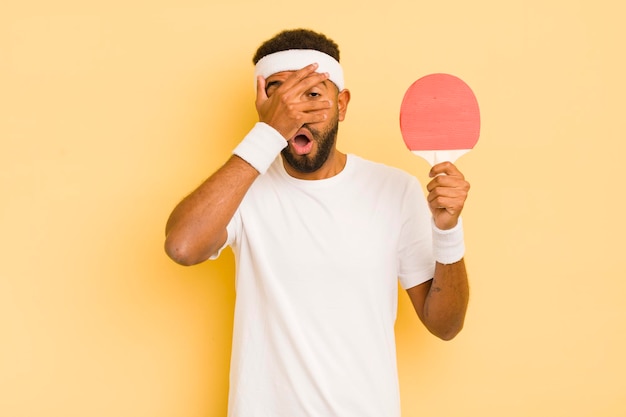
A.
pixel 436 157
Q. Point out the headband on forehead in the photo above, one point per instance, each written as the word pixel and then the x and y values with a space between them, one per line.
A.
pixel 295 59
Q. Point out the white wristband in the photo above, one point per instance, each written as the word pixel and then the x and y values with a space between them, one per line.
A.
pixel 260 146
pixel 448 245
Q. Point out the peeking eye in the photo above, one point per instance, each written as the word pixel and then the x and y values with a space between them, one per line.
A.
pixel 314 94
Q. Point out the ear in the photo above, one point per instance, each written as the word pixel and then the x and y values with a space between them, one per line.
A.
pixel 343 98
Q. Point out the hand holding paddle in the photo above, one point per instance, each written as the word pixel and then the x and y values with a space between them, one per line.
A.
pixel 447 192
pixel 440 121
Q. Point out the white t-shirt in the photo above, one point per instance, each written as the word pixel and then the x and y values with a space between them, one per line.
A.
pixel 316 284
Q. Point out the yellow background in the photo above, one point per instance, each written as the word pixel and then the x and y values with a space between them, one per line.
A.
pixel 110 112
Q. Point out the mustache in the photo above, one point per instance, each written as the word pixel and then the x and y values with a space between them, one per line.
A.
pixel 315 132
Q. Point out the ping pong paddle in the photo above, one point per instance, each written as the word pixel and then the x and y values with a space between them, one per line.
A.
pixel 439 118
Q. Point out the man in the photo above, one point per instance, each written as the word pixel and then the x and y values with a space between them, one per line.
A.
pixel 320 239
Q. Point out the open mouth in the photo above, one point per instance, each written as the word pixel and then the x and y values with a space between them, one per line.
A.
pixel 302 142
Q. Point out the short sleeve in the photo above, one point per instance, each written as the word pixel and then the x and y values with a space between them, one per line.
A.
pixel 232 231
pixel 415 249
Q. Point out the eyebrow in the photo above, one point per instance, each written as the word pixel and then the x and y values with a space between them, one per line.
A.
pixel 275 83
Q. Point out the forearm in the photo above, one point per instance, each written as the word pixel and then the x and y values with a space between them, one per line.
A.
pixel 446 301
pixel 196 229
pixel 441 303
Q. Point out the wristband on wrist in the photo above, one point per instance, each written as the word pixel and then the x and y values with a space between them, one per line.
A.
pixel 260 146
pixel 448 245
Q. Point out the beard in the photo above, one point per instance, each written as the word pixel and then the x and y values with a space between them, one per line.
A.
pixel 325 144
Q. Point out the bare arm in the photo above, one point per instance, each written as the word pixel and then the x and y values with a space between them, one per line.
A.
pixel 196 229
pixel 441 303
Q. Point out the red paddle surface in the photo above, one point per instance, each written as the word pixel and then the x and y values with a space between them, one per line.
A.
pixel 439 112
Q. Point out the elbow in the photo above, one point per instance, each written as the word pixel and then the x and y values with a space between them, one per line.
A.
pixel 449 334
pixel 448 331
pixel 191 249
pixel 180 252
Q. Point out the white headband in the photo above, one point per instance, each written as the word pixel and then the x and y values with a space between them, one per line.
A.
pixel 295 59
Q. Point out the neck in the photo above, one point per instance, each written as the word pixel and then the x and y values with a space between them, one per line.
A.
pixel 334 165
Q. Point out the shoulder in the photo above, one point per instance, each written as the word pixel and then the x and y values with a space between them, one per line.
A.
pixel 378 172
